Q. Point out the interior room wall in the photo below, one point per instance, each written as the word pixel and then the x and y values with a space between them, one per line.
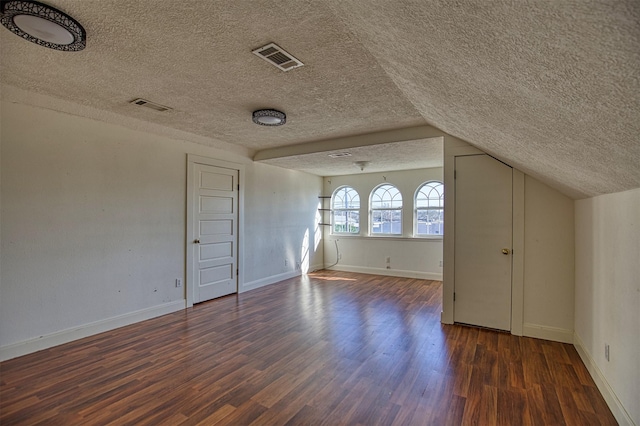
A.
pixel 409 256
pixel 281 225
pixel 548 262
pixel 607 297
pixel 93 225
pixel 546 258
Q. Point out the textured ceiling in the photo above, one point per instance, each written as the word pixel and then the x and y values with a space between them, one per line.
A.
pixel 551 87
pixel 417 154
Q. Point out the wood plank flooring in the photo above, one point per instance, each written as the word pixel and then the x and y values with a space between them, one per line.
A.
pixel 331 348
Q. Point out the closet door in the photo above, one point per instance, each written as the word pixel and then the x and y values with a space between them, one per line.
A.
pixel 483 242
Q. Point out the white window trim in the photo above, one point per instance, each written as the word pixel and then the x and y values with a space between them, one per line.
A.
pixel 371 210
pixel 334 210
pixel 415 213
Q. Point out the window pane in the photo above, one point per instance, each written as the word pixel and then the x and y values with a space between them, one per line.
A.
pixel 339 221
pixel 354 222
pixel 431 194
pixel 346 222
pixel 345 198
pixel 430 222
pixel 386 222
pixel 386 196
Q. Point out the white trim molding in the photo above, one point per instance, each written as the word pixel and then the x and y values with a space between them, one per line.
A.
pixel 547 333
pixel 64 336
pixel 252 285
pixel 610 397
pixel 388 272
pixel 517 258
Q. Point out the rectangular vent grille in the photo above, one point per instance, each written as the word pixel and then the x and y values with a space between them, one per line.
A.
pixel 276 56
pixel 340 154
pixel 149 104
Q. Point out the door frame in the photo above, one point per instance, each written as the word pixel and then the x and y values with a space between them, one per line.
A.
pixel 189 238
pixel 454 147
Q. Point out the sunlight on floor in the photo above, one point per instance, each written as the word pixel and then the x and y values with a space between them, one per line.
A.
pixel 332 278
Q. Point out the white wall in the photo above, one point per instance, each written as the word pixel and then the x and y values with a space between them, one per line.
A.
pixel 280 224
pixel 93 225
pixel 548 262
pixel 607 297
pixel 410 257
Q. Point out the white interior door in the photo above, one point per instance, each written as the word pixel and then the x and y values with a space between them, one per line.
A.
pixel 215 239
pixel 483 242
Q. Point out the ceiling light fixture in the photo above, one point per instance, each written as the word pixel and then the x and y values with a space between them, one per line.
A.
pixel 269 117
pixel 361 164
pixel 43 25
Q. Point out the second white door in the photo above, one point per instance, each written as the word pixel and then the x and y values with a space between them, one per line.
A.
pixel 214 232
pixel 483 241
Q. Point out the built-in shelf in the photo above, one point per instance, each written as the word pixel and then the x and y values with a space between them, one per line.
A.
pixel 323 209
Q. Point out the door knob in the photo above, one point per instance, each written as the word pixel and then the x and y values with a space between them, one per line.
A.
pixel 196 241
pixel 505 251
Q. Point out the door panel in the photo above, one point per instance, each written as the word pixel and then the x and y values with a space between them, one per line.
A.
pixel 483 228
pixel 210 204
pixel 216 251
pixel 215 237
pixel 210 228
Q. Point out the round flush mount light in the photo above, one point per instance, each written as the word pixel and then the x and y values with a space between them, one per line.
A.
pixel 43 25
pixel 269 117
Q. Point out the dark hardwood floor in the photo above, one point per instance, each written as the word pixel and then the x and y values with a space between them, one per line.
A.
pixel 331 348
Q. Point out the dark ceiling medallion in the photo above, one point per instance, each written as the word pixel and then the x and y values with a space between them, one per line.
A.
pixel 269 117
pixel 43 25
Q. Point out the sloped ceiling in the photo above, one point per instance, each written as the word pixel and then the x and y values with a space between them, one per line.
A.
pixel 551 87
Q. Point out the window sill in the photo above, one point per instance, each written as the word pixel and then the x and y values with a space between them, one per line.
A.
pixel 389 238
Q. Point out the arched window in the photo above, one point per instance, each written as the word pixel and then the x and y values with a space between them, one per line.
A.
pixel 429 209
pixel 386 210
pixel 345 206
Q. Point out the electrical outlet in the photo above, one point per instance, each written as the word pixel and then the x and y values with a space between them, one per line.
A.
pixel 178 282
pixel 297 266
pixel 441 263
pixel 606 351
pixel 388 259
pixel 286 263
pixel 340 256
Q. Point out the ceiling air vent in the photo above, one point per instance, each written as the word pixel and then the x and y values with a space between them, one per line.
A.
pixel 149 104
pixel 275 55
pixel 340 154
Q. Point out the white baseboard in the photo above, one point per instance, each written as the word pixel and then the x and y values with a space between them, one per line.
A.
pixel 389 272
pixel 64 336
pixel 315 268
pixel 252 285
pixel 547 333
pixel 610 397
